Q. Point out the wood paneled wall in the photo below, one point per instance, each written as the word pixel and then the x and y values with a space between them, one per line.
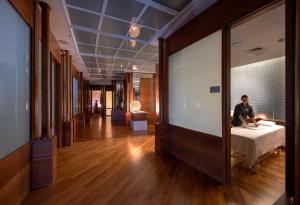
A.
pixel 15 176
pixel 197 149
pixel 147 98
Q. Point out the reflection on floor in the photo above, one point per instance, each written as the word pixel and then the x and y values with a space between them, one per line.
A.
pixel 101 128
pixel 124 169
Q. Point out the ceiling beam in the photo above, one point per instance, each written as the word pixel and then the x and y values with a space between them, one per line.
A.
pixel 82 28
pixel 102 14
pixel 159 6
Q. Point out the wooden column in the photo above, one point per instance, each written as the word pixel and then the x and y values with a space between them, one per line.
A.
pixel 36 98
pixel 66 87
pixel 43 164
pixel 162 126
pixel 46 105
pixel 81 115
pixel 130 97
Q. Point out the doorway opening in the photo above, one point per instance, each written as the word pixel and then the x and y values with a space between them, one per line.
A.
pixel 258 118
pixel 108 102
pixel 96 102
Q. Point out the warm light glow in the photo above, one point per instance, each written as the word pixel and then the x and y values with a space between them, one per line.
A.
pixel 262 116
pixel 134 67
pixel 134 31
pixel 134 151
pixel 132 43
pixel 135 106
pixel 157 109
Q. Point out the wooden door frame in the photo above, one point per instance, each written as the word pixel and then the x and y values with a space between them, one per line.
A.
pixel 292 91
pixel 58 99
pixel 295 12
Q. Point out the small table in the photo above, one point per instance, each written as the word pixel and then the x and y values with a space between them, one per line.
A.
pixel 139 123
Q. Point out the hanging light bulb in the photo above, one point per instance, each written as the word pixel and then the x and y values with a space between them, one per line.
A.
pixel 134 31
pixel 132 43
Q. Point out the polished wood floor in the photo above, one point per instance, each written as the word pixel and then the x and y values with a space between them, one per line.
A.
pixel 110 166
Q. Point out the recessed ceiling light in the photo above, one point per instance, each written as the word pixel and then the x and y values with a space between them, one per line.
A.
pixel 281 40
pixel 63 42
pixel 258 51
pixel 237 44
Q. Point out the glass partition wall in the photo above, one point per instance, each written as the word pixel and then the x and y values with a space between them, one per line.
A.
pixel 14 80
pixel 195 72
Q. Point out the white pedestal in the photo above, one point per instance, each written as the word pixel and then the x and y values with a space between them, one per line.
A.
pixel 138 126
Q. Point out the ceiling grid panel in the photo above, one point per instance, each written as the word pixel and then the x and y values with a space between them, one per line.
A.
pixel 99 29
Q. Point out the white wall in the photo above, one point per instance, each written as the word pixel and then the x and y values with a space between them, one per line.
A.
pixel 192 71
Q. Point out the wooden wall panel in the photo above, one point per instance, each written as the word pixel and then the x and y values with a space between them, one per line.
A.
pixel 147 98
pixel 15 176
pixel 197 149
pixel 25 9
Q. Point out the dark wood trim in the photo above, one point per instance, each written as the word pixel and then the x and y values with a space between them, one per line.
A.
pixel 226 97
pixel 295 6
pixel 201 151
pixel 46 108
pixel 212 20
pixel 58 100
pixel 161 127
pixel 165 83
pixel 290 96
pixel 25 9
pixel 35 77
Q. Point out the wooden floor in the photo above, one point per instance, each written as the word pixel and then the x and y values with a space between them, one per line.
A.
pixel 110 166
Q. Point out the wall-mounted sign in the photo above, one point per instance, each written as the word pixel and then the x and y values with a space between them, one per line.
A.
pixel 215 89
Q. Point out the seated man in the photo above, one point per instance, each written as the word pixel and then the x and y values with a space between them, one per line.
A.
pixel 241 112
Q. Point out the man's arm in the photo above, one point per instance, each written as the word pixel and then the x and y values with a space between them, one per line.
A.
pixel 252 116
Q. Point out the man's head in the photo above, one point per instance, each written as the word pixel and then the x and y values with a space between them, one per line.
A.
pixel 244 99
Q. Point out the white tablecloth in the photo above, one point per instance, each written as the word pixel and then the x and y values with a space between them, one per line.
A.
pixel 254 143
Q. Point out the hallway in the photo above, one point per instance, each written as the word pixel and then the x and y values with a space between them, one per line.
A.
pixel 125 170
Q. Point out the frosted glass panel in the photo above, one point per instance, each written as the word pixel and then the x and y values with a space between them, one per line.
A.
pixel 264 83
pixel 14 80
pixel 75 96
pixel 192 72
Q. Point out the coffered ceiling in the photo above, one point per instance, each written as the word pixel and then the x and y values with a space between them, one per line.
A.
pixel 96 32
pixel 100 31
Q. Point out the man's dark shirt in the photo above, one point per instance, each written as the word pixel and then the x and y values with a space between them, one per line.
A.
pixel 244 111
